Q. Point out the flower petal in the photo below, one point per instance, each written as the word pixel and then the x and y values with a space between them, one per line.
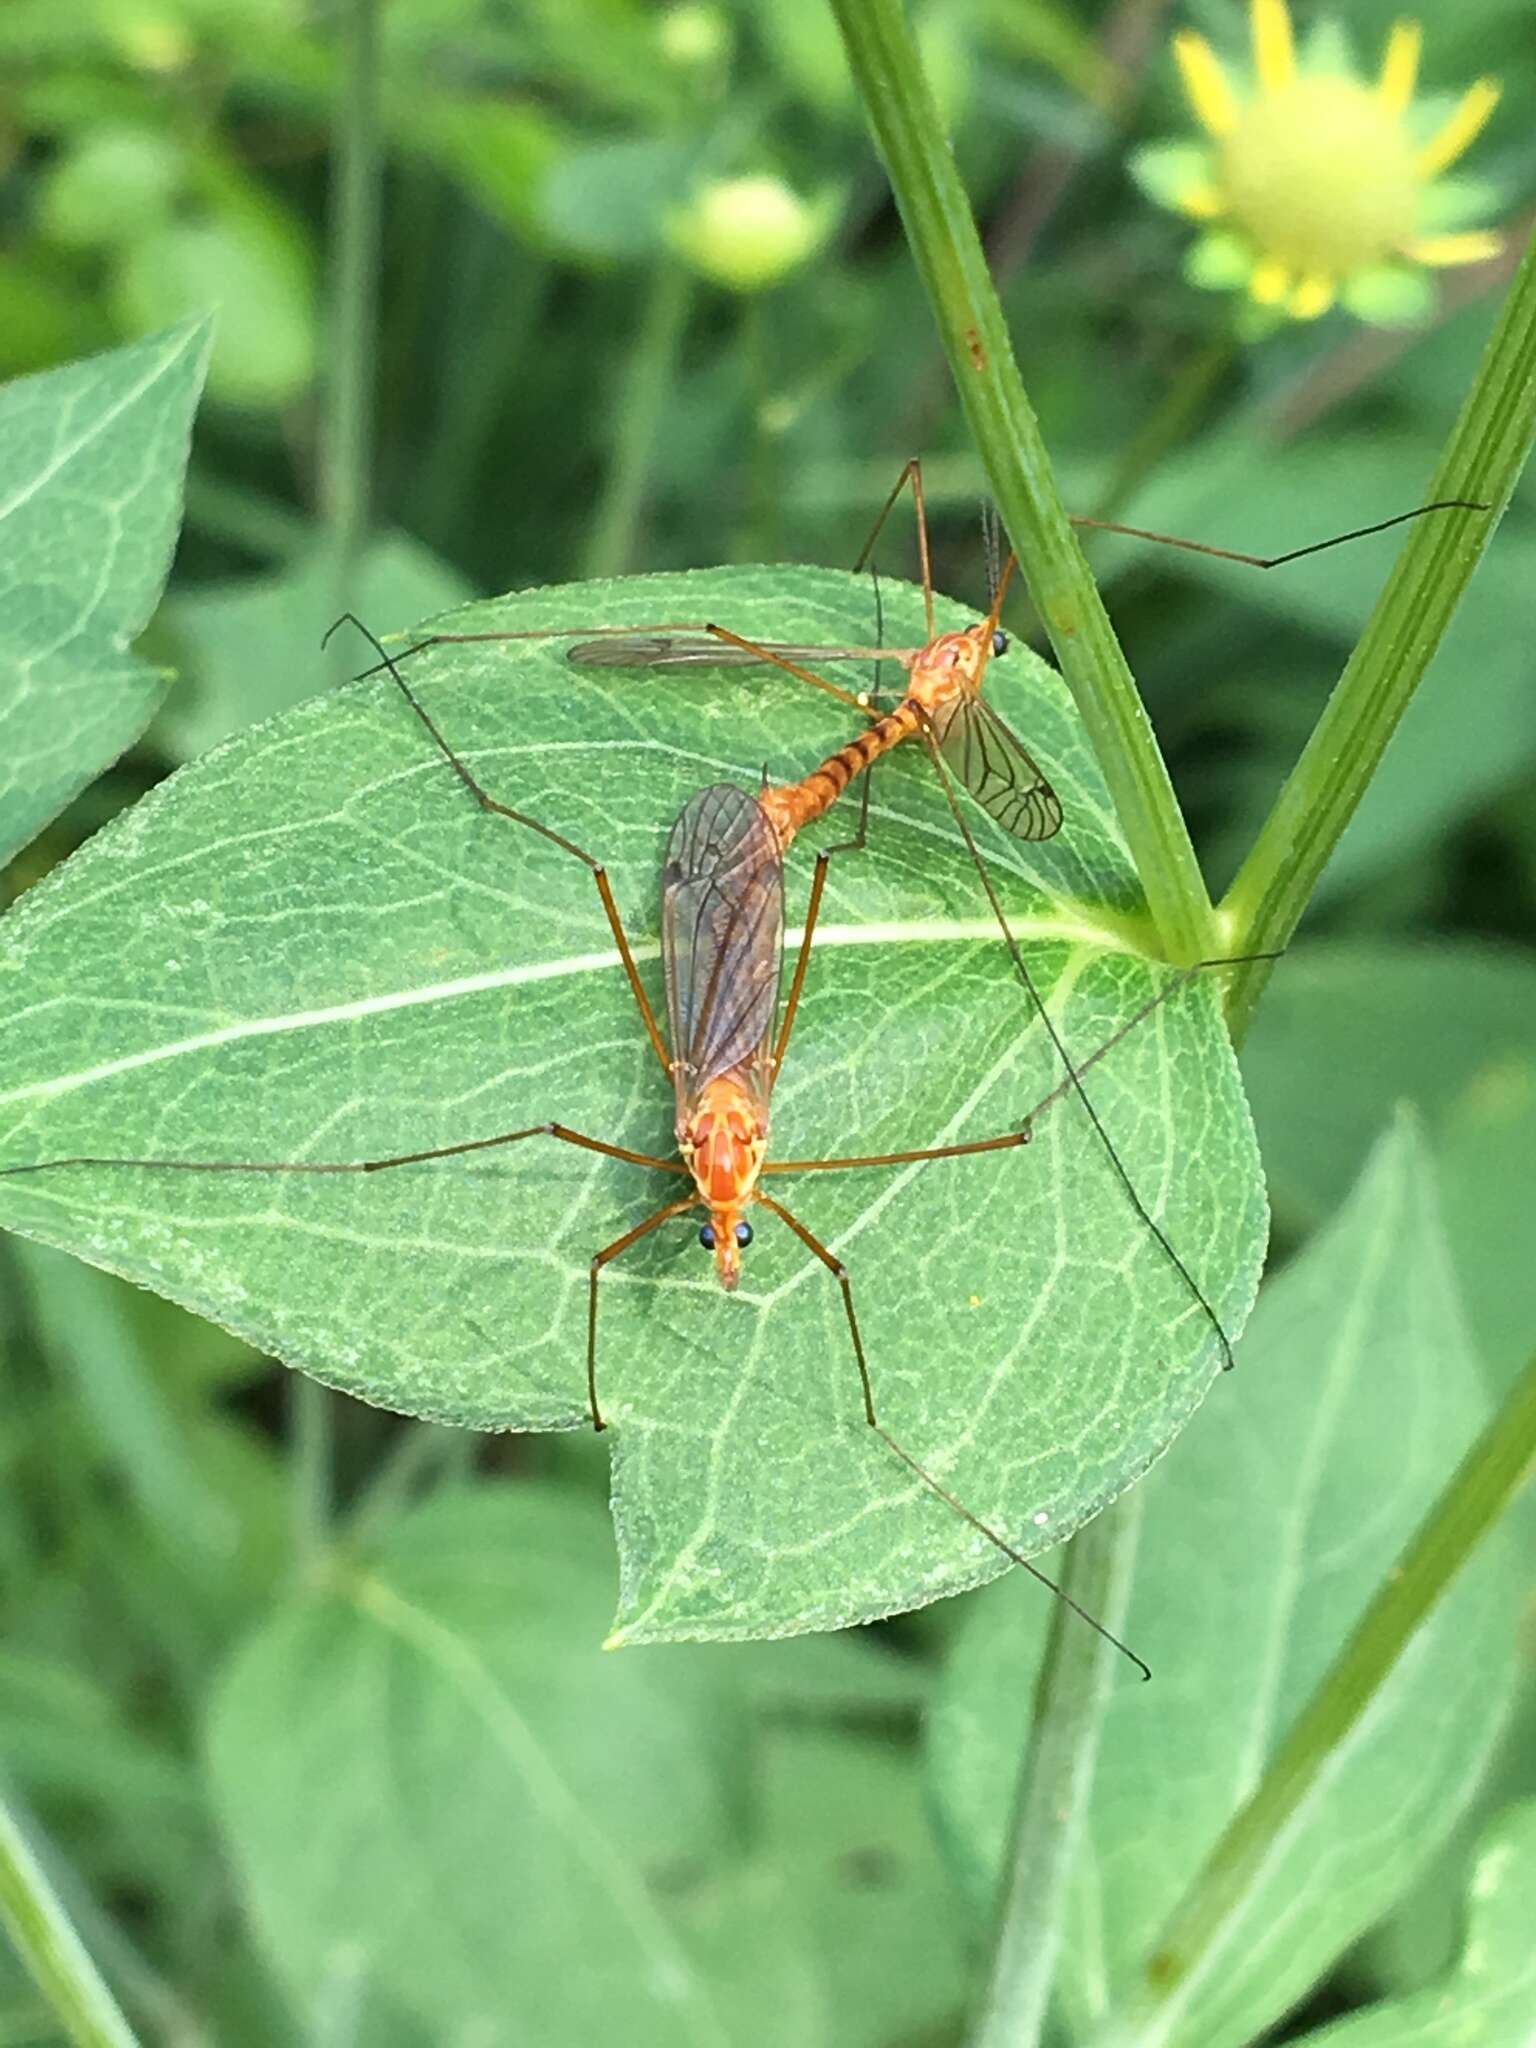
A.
pixel 1218 262
pixel 1390 295
pixel 1462 129
pixel 1274 53
pixel 1400 66
pixel 1205 83
pixel 1166 171
pixel 1269 283
pixel 1311 298
pixel 1451 203
pixel 1475 245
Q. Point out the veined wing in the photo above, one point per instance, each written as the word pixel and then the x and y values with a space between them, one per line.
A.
pixel 696 650
pixel 997 770
pixel 722 937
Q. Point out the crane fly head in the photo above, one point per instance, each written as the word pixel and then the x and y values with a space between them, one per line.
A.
pixel 723 1141
pixel 953 665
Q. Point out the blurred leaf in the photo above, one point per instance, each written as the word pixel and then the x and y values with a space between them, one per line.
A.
pixel 252 644
pixel 1266 1532
pixel 608 199
pixel 92 459
pixel 1489 1998
pixel 144 1442
pixel 253 270
pixel 1488 1177
pixel 1471 730
pixel 557 1837
pixel 312 944
pixel 876 1910
pixel 112 185
pixel 1349 1029
pixel 1421 1938
pixel 500 152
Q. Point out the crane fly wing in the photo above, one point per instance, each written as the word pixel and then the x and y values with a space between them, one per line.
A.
pixel 997 770
pixel 684 650
pixel 722 937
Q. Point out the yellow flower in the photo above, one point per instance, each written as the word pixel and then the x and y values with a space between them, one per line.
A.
pixel 745 233
pixel 1317 185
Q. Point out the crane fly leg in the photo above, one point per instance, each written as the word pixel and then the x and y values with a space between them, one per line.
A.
pixel 489 803
pixel 839 1273
pixel 601 1259
pixel 912 473
pixel 812 917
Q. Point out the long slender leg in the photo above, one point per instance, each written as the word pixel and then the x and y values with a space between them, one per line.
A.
pixel 1073 1073
pixel 812 916
pixel 487 802
pixel 839 1273
pixel 1316 547
pixel 1005 1140
pixel 912 473
pixel 819 880
pixel 601 1259
pixel 560 1131
pixel 769 654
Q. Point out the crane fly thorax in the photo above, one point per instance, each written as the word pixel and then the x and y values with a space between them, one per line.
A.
pixel 723 1138
pixel 950 667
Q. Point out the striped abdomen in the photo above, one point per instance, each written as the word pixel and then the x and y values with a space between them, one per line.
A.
pixel 791 806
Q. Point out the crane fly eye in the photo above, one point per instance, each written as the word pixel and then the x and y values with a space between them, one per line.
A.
pixel 743 1234
pixel 707 1236
pixel 999 642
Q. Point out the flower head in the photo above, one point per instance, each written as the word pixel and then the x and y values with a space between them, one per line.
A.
pixel 746 233
pixel 1318 185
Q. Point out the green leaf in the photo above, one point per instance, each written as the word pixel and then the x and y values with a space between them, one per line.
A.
pixel 312 944
pixel 1487 2001
pixel 1265 1534
pixel 251 263
pixel 251 644
pixel 91 465
pixel 566 1834
pixel 1351 1028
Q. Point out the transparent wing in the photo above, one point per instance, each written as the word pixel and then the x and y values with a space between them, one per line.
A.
pixel 997 770
pixel 722 936
pixel 691 650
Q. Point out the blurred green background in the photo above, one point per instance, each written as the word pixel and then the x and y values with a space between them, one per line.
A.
pixel 562 390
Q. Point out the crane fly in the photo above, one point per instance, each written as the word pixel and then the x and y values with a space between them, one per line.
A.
pixel 722 934
pixel 944 707
pixel 943 701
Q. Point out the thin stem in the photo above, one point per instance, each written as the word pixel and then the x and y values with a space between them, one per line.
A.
pixel 1192 1944
pixel 346 467
pixel 53 1952
pixel 949 258
pixel 1483 459
pixel 346 440
pixel 312 1457
pixel 638 404
pixel 1071 1698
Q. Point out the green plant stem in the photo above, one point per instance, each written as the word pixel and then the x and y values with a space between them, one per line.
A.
pixel 1076 1680
pixel 1482 461
pixel 47 1943
pixel 1191 1945
pixel 947 250
pixel 346 440
pixel 638 405
pixel 345 469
